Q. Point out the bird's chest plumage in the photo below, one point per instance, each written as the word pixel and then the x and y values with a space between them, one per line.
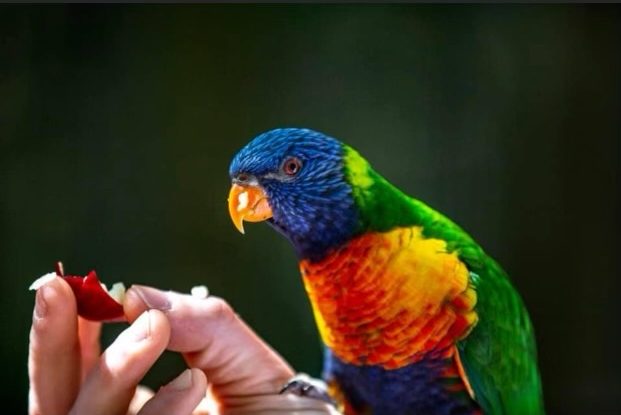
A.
pixel 390 299
pixel 391 302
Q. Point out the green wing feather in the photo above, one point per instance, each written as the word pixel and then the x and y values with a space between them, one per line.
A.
pixel 499 354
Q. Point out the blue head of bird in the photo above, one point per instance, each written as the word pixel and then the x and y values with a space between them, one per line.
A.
pixel 295 180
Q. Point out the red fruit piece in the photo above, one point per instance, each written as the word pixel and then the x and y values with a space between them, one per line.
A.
pixel 93 300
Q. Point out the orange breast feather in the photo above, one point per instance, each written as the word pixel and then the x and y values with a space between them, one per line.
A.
pixel 391 298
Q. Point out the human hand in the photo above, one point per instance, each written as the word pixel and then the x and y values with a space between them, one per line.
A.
pixel 245 374
pixel 68 375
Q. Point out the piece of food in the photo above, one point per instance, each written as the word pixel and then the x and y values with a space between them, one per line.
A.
pixel 200 291
pixel 94 301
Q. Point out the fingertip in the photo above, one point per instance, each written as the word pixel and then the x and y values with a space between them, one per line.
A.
pixel 199 379
pixel 133 306
pixel 53 298
pixel 139 298
pixel 182 382
pixel 181 396
pixel 63 286
pixel 140 398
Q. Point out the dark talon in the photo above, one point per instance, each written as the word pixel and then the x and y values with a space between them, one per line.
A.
pixel 303 385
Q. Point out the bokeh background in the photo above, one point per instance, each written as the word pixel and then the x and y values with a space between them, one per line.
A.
pixel 117 124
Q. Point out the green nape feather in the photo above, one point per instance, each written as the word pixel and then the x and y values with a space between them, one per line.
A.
pixel 499 355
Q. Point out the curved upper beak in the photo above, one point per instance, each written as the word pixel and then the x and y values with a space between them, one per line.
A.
pixel 248 203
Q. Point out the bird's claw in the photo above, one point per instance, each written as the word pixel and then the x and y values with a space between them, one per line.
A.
pixel 303 385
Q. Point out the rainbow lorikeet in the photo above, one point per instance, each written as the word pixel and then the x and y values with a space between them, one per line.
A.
pixel 415 316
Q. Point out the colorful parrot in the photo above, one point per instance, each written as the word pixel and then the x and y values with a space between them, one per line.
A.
pixel 416 318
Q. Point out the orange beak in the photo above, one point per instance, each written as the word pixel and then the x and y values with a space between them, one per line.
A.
pixel 248 203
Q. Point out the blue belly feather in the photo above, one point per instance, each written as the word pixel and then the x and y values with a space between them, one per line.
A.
pixel 415 389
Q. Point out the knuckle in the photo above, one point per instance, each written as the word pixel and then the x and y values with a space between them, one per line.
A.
pixel 219 309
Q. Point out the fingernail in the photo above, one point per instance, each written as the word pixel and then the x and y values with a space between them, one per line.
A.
pixel 141 329
pixel 183 381
pixel 152 298
pixel 41 302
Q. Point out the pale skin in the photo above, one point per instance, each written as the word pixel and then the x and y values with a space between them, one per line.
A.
pixel 69 374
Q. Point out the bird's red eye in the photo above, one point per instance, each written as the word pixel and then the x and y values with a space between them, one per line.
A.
pixel 291 166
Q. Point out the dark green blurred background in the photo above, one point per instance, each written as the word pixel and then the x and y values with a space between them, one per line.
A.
pixel 117 124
